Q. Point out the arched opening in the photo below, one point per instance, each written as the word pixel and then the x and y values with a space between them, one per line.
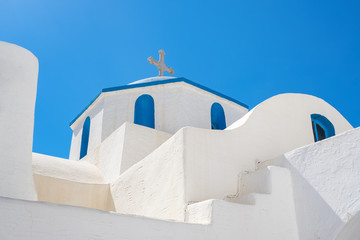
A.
pixel 322 127
pixel 85 138
pixel 144 111
pixel 217 117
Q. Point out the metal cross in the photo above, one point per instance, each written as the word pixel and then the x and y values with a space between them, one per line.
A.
pixel 160 64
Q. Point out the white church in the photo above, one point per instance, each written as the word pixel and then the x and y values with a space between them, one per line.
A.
pixel 167 158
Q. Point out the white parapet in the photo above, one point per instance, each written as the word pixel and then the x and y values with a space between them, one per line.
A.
pixel 326 178
pixel 18 81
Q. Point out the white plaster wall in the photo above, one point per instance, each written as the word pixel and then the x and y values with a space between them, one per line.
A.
pixel 213 162
pixel 18 81
pixel 77 171
pixel 271 218
pixel 74 153
pixel 193 108
pixel 62 191
pixel 126 146
pixel 176 105
pixel 76 183
pixel 139 142
pixel 44 221
pixel 268 216
pixel 154 187
pixel 351 230
pixel 326 178
pixel 213 159
pixel 96 121
pixel 107 156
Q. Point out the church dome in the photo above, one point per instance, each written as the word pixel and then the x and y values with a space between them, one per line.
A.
pixel 152 79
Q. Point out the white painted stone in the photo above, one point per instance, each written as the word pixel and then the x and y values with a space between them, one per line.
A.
pixel 269 216
pixel 326 178
pixel 154 187
pixel 351 230
pixel 18 80
pixel 24 220
pixel 176 105
pixel 68 192
pixel 200 212
pixel 95 137
pixel 228 220
pixel 123 148
pixel 209 162
pixel 78 171
pixel 214 159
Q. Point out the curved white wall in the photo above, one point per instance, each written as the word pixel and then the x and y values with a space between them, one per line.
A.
pixel 211 160
pixel 76 171
pixel 278 125
pixel 18 82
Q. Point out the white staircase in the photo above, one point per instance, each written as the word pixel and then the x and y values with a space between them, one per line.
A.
pixel 264 198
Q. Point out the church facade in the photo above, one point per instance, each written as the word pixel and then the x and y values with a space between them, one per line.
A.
pixel 167 158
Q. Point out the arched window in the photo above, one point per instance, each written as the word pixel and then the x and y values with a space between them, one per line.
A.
pixel 217 117
pixel 322 127
pixel 144 111
pixel 85 138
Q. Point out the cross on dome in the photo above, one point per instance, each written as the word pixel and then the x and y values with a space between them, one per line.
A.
pixel 160 64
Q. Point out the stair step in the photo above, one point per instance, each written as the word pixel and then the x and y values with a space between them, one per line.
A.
pixel 251 198
pixel 258 181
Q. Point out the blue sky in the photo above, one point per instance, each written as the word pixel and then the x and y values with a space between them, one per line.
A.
pixel 248 50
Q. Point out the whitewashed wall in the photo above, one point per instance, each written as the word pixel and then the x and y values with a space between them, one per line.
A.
pixel 269 215
pixel 96 121
pixel 280 124
pixel 77 171
pixel 176 105
pixel 24 220
pixel 18 81
pixel 209 162
pixel 39 220
pixel 126 146
pixel 326 183
pixel 351 230
pixel 154 187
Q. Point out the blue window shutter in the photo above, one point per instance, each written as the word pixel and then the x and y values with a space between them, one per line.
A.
pixel 217 117
pixel 144 113
pixel 85 138
pixel 322 127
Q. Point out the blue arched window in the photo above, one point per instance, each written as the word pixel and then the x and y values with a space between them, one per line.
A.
pixel 85 138
pixel 322 127
pixel 217 117
pixel 144 111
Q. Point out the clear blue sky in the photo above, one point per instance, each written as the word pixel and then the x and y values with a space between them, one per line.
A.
pixel 248 50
